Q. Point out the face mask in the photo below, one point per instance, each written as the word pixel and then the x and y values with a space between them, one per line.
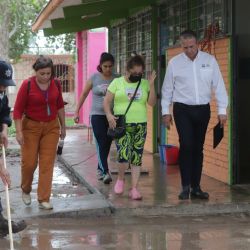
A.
pixel 134 79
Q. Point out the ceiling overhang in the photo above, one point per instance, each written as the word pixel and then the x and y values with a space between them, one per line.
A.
pixel 65 16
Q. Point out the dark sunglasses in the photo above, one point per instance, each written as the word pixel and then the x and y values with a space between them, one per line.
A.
pixel 135 74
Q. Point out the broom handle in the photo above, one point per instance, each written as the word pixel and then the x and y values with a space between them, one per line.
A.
pixel 8 203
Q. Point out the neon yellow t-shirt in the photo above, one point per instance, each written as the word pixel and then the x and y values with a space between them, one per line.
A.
pixel 124 92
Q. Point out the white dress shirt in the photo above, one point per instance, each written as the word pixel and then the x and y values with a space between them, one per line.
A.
pixel 190 82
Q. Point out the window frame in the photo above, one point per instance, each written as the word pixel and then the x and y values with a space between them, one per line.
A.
pixel 192 19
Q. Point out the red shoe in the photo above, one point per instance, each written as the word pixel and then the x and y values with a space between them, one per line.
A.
pixel 119 187
pixel 134 194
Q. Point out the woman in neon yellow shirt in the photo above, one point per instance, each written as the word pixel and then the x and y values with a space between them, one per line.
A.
pixel 130 146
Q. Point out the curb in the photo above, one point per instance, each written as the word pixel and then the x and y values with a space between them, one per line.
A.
pixel 184 210
pixel 152 210
pixel 91 188
pixel 92 213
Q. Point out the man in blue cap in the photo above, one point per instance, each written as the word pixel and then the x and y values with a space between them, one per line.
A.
pixel 5 122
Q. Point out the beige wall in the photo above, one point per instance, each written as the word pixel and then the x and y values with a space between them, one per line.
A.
pixel 149 140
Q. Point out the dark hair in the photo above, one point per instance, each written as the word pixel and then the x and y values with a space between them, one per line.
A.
pixel 42 63
pixel 105 57
pixel 187 34
pixel 136 60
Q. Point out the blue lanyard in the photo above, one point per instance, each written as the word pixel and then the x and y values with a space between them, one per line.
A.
pixel 47 101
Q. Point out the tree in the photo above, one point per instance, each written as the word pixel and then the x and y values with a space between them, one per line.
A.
pixel 66 40
pixel 16 17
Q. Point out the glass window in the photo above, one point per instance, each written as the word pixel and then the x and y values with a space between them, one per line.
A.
pixel 140 37
pixel 119 47
pixel 176 16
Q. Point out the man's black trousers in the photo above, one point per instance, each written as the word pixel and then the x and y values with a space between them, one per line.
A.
pixel 191 123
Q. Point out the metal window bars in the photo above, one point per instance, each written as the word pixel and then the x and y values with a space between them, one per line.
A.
pixel 140 36
pixel 176 16
pixel 65 73
pixel 118 46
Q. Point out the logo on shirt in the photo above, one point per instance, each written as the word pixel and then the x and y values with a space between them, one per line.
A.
pixel 130 93
pixel 205 66
pixel 103 89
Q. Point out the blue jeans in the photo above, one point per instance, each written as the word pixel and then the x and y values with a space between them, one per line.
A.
pixel 99 124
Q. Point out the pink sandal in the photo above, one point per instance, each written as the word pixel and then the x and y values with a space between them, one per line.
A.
pixel 134 194
pixel 119 187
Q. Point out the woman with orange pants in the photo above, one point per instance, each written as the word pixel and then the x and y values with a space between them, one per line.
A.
pixel 38 106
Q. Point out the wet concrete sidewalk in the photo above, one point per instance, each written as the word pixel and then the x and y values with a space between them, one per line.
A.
pixel 159 188
pixel 69 196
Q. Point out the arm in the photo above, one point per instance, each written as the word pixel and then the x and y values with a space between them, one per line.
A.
pixel 5 122
pixel 167 95
pixel 19 134
pixel 220 93
pixel 21 101
pixel 4 135
pixel 106 105
pixel 152 95
pixel 61 116
pixel 87 88
pixel 4 174
pixel 61 112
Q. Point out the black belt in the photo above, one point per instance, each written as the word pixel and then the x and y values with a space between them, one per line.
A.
pixel 32 119
pixel 183 104
pixel 35 120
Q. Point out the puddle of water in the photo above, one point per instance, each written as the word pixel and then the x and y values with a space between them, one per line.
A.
pixel 64 195
pixel 166 233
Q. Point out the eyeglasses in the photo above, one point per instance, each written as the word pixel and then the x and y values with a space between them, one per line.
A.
pixel 45 59
pixel 137 74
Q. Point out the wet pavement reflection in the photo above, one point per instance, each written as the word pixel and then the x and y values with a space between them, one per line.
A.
pixel 64 186
pixel 224 232
pixel 160 187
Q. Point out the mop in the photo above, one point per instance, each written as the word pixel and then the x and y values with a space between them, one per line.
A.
pixel 8 203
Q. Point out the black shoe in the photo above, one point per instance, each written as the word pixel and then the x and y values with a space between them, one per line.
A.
pixel 16 227
pixel 197 193
pixel 184 194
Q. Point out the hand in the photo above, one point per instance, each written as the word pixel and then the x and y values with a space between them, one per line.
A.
pixel 112 121
pixel 63 133
pixel 167 121
pixel 151 79
pixel 5 176
pixel 222 120
pixel 76 117
pixel 19 138
pixel 4 139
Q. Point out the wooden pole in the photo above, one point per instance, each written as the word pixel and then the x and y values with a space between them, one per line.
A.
pixel 8 202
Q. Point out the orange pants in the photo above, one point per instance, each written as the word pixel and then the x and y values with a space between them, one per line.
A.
pixel 40 139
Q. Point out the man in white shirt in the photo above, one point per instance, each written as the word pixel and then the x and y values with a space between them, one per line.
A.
pixel 188 82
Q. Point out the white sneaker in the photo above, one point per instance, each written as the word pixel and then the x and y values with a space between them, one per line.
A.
pixel 45 205
pixel 26 198
pixel 107 179
pixel 99 174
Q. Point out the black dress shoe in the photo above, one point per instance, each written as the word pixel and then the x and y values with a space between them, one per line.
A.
pixel 184 194
pixel 197 193
pixel 16 227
